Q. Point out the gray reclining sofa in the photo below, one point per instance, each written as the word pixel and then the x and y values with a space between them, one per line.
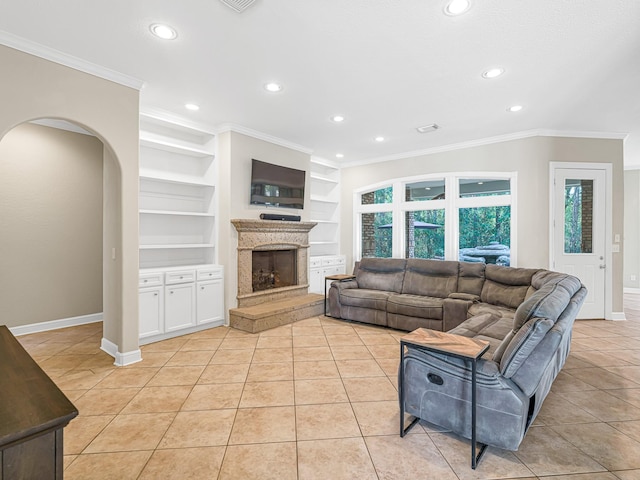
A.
pixel 526 315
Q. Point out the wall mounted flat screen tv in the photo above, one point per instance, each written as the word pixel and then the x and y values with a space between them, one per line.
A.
pixel 276 186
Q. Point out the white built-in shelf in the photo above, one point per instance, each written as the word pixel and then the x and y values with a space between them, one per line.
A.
pixel 178 195
pixel 176 246
pixel 198 182
pixel 325 195
pixel 316 198
pixel 175 146
pixel 171 212
pixel 323 178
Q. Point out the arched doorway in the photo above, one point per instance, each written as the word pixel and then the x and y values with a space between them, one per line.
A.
pixel 60 186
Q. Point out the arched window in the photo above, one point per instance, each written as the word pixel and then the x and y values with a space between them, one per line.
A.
pixel 455 216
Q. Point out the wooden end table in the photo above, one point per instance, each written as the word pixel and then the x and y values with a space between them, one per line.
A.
pixel 455 346
pixel 340 278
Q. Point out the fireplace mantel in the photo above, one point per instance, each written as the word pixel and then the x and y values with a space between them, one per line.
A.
pixel 256 225
pixel 254 234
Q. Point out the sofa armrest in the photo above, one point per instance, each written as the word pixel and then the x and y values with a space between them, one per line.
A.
pixel 454 312
pixel 334 295
pixel 464 296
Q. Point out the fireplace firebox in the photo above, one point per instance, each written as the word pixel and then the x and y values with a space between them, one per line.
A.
pixel 273 269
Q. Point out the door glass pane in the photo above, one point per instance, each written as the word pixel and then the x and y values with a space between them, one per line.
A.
pixel 485 235
pixel 382 195
pixel 425 234
pixel 427 190
pixel 578 216
pixel 483 187
pixel 377 234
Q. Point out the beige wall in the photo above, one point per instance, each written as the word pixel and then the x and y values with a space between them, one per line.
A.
pixel 32 88
pixel 632 228
pixel 530 158
pixel 51 211
pixel 235 152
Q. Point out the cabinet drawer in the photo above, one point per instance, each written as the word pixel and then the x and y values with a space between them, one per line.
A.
pixel 150 279
pixel 328 261
pixel 340 261
pixel 209 273
pixel 179 276
pixel 315 262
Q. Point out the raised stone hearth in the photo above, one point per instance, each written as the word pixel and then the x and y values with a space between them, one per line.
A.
pixel 271 307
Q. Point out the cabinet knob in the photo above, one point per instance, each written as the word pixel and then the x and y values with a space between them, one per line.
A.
pixel 201 288
pixel 181 277
pixel 155 294
pixel 145 280
pixel 171 292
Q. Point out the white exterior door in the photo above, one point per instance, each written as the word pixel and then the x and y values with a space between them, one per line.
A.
pixel 578 237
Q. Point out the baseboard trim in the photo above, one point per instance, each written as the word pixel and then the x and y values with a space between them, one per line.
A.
pixel 617 316
pixel 120 359
pixel 55 324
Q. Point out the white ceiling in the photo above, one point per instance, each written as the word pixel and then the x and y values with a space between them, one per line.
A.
pixel 388 66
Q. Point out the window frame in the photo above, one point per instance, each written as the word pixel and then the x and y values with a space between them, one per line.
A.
pixel 451 205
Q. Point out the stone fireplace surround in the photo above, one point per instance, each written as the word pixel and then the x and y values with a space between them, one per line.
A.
pixel 261 310
pixel 264 235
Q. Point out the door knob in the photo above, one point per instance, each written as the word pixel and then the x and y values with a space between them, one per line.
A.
pixel 602 267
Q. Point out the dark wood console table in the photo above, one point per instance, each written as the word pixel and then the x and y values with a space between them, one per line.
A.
pixel 33 412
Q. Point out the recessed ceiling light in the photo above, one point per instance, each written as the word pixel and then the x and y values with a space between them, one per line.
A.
pixel 337 118
pixel 379 139
pixel 163 31
pixel 191 106
pixel 514 108
pixel 493 72
pixel 457 7
pixel 273 87
pixel 339 155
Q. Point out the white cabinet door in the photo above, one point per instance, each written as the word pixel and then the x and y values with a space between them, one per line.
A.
pixel 150 311
pixel 179 305
pixel 209 301
pixel 315 280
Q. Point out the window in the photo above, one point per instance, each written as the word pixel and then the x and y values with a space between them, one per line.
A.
pixel 382 195
pixel 578 216
pixel 453 217
pixel 377 234
pixel 425 234
pixel 485 234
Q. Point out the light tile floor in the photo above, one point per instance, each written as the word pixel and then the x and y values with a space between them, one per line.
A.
pixel 318 400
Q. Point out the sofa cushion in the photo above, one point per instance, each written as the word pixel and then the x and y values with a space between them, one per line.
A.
pixel 480 308
pixel 415 306
pixel 471 277
pixel 384 274
pixel 506 287
pixel 522 344
pixel 549 301
pixel 434 278
pixel 361 297
pixel 487 326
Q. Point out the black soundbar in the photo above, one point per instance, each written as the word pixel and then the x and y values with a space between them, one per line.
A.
pixel 277 216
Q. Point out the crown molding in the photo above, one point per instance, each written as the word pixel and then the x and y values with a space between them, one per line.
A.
pixel 61 58
pixel 231 127
pixel 491 140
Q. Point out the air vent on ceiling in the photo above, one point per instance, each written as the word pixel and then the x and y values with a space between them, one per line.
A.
pixel 428 128
pixel 238 5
